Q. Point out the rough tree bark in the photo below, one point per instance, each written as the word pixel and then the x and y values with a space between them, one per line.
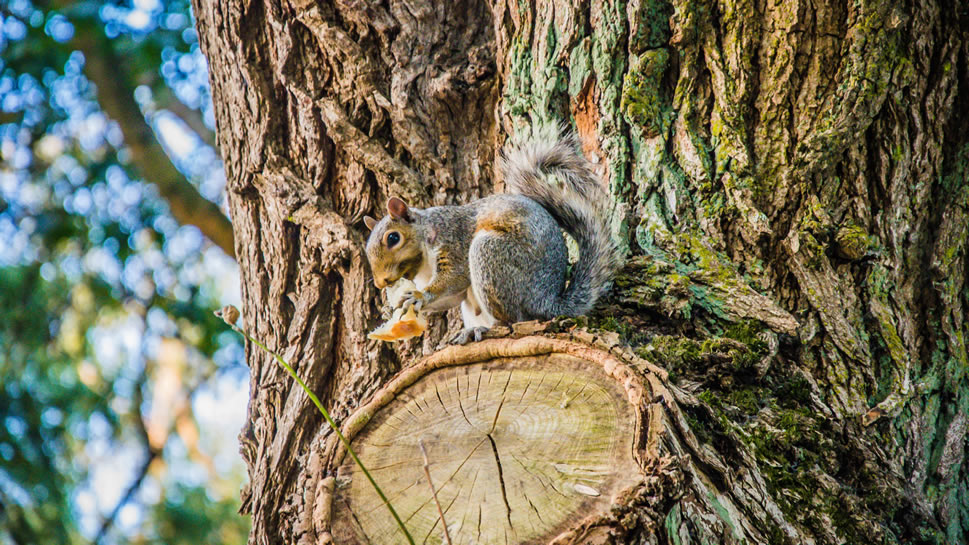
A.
pixel 794 177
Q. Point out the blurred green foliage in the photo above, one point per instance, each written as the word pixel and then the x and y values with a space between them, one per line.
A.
pixel 120 392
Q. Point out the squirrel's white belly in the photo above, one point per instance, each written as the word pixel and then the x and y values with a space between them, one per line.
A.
pixel 473 314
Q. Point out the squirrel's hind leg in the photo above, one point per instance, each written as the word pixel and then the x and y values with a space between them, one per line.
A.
pixel 477 320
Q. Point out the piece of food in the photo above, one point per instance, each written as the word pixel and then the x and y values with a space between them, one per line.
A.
pixel 402 325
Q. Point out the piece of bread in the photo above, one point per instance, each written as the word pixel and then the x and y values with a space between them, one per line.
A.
pixel 402 325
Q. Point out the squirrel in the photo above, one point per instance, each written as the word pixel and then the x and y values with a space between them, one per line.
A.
pixel 503 258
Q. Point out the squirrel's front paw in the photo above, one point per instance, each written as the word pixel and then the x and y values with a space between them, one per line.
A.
pixel 468 334
pixel 412 299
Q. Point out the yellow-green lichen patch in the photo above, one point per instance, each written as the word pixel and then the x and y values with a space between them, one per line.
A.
pixel 691 276
pixel 518 96
pixel 723 359
pixel 643 100
pixel 852 242
pixel 772 417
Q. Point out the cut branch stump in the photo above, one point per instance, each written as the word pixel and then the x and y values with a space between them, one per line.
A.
pixel 529 440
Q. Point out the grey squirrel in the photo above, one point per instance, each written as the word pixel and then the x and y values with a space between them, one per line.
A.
pixel 503 258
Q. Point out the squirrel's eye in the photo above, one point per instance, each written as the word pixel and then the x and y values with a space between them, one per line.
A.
pixel 392 239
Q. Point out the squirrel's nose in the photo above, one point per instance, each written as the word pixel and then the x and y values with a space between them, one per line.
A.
pixel 380 283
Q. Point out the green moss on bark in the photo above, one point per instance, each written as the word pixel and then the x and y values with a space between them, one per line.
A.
pixel 643 100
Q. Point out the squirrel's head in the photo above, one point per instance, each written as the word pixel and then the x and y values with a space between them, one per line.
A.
pixel 393 248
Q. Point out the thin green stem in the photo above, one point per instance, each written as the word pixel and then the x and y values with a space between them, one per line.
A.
pixel 326 415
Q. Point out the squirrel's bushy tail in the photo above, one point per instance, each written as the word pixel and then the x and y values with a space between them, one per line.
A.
pixel 545 164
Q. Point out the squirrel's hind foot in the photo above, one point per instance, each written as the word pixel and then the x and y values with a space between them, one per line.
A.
pixel 468 334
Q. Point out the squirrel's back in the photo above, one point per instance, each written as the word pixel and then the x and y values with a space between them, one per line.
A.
pixel 545 165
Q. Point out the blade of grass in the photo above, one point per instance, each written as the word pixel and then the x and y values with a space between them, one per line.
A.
pixel 231 312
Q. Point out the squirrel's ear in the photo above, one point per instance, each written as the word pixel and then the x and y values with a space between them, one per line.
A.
pixel 398 209
pixel 369 222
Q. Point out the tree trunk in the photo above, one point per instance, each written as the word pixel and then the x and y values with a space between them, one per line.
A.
pixel 795 181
